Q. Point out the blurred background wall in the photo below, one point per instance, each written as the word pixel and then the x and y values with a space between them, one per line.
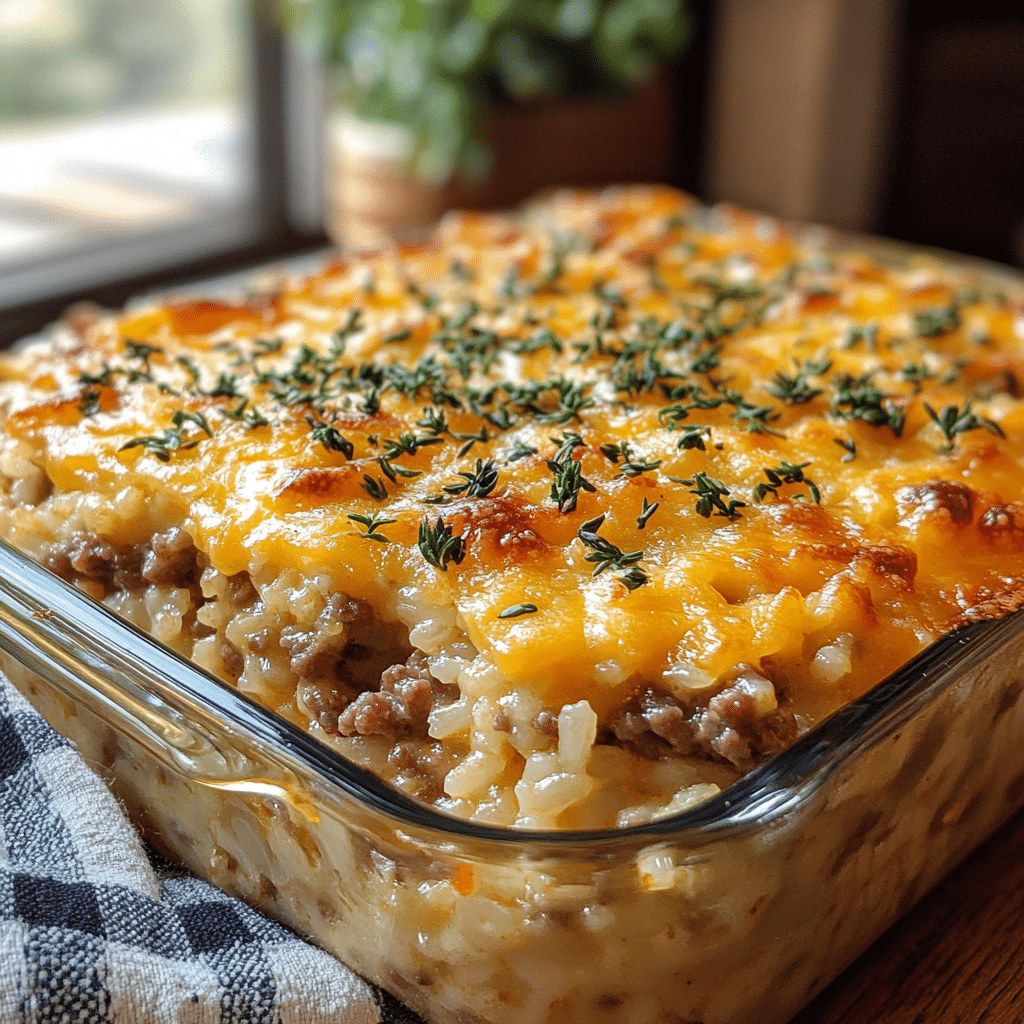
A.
pixel 902 117
pixel 146 141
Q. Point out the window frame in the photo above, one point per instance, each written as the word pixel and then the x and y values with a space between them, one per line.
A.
pixel 284 215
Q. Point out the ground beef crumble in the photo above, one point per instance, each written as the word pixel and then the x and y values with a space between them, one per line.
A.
pixel 169 559
pixel 729 729
pixel 402 705
pixel 316 652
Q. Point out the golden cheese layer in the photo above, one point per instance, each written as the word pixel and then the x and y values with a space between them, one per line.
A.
pixel 632 441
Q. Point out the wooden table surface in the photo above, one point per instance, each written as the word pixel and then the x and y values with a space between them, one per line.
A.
pixel 956 958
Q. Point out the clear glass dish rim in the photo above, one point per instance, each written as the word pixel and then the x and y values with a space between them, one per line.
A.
pixel 37 610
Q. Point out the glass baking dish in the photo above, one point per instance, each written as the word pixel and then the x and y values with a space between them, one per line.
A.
pixel 740 909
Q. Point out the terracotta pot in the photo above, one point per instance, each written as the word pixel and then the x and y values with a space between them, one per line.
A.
pixel 578 142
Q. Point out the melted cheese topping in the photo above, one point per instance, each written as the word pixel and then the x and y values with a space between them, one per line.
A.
pixel 832 444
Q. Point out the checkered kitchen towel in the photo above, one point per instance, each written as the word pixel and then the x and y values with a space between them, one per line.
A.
pixel 91 933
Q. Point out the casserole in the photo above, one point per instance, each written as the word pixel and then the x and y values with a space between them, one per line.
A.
pixel 824 451
pixel 740 909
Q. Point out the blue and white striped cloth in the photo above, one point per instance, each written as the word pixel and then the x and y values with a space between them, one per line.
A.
pixel 92 933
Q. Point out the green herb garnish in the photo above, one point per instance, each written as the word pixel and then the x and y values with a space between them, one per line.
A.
pixel 374 487
pixel 786 473
pixel 438 546
pixel 858 398
pixel 371 523
pixel 646 511
pixel 930 323
pixel 89 403
pixel 711 495
pixel 514 611
pixel 848 445
pixel 519 450
pixel 610 556
pixel 330 437
pixel 478 483
pixel 172 439
pixel 953 421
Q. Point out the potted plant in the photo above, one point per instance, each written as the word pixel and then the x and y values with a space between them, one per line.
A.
pixel 482 102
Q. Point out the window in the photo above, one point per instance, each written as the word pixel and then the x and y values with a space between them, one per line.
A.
pixel 143 138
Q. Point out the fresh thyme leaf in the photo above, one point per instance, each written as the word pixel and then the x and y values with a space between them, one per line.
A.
pixel 372 523
pixel 393 471
pixel 105 377
pixel 954 371
pixel 756 417
pixel 501 418
pixel 515 610
pixel 571 402
pixel 89 403
pixel 190 368
pixel 140 350
pixel 567 484
pixel 266 347
pixel 930 323
pixel 637 467
pixel 707 361
pixel 181 417
pixel 542 338
pixel 711 495
pixel 164 444
pixel 676 335
pixel 428 300
pixel 858 398
pixel 401 334
pixel 567 443
pixel 646 511
pixel 433 422
pixel 817 367
pixel 634 577
pixel 614 452
pixel 953 421
pixel 253 418
pixel 519 450
pixel 226 386
pixel 437 544
pixel 330 437
pixel 848 445
pixel 609 556
pixel 693 436
pixel 405 444
pixel 478 483
pixel 868 335
pixel 639 378
pixel 568 473
pixel 461 319
pixel 793 390
pixel 471 439
pixel 916 374
pixel 340 337
pixel 786 473
pixel 374 487
pixel 249 416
